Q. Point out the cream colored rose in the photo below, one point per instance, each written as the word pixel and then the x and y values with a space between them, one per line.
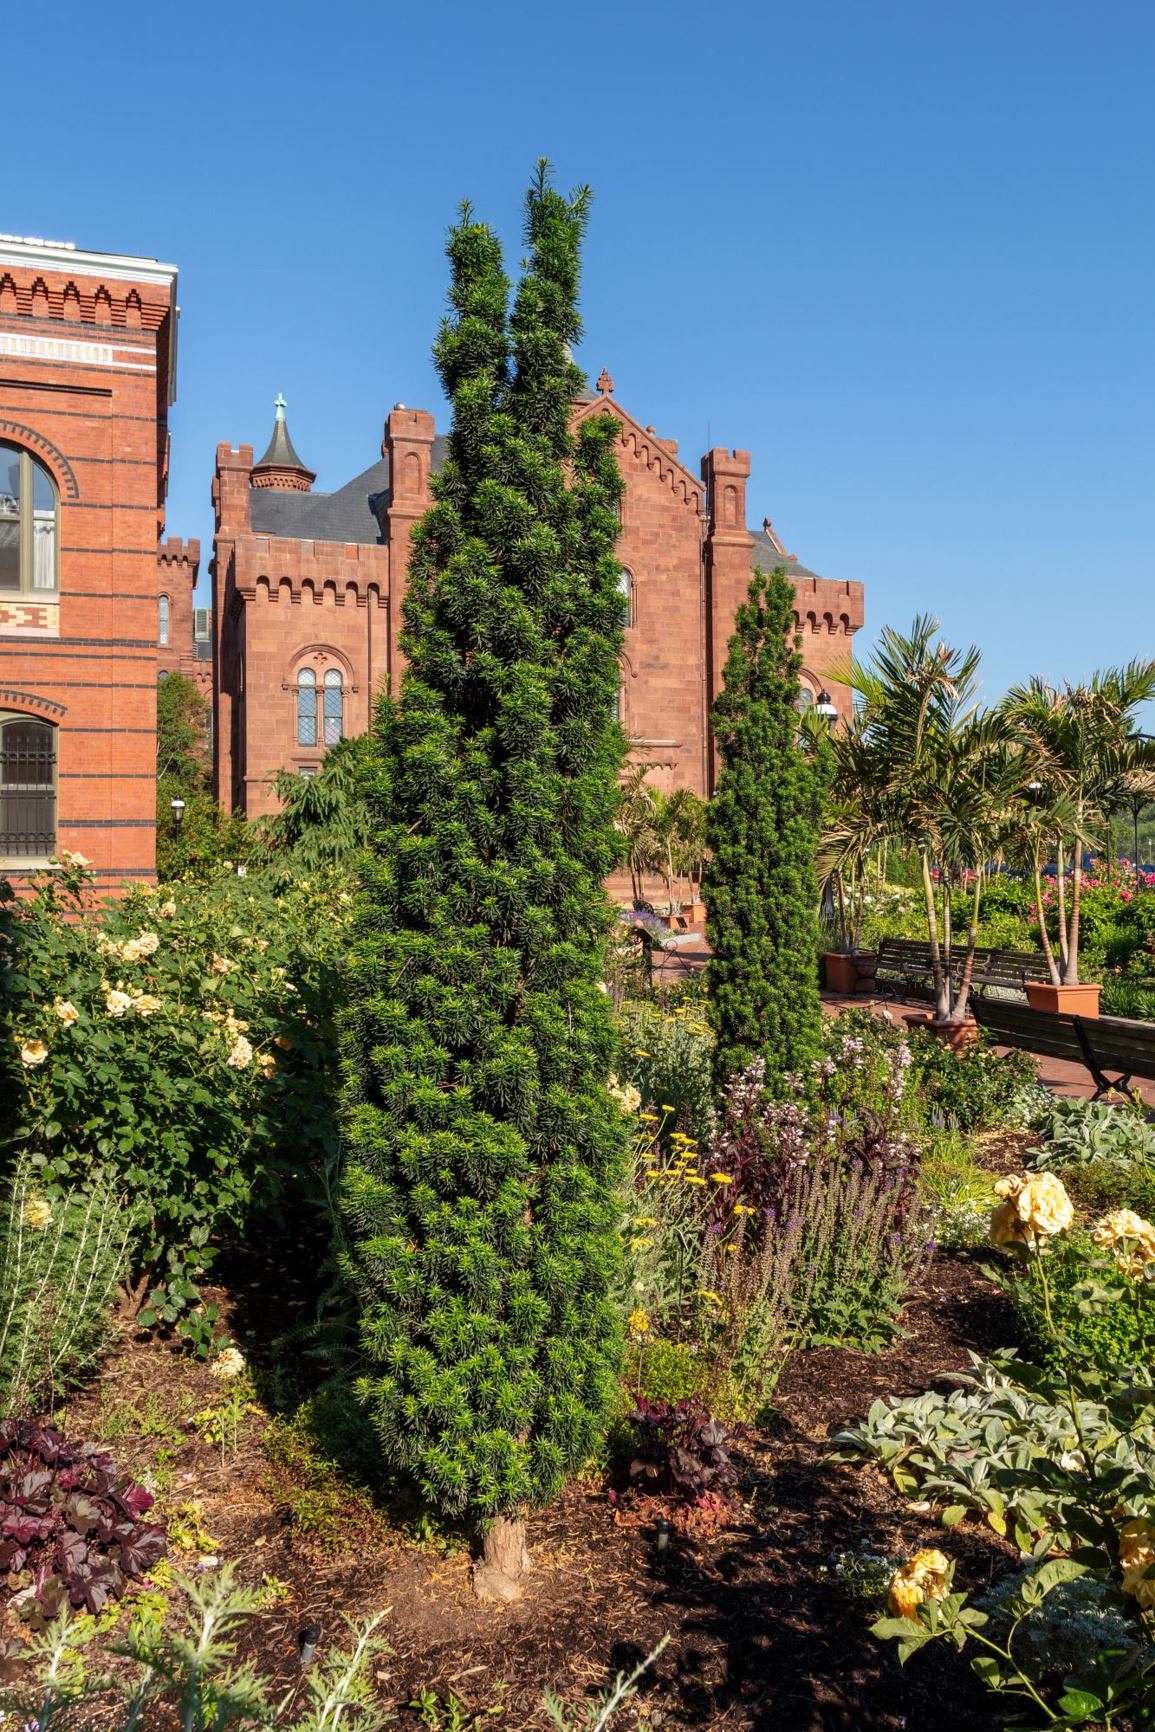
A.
pixel 1136 1556
pixel 32 1053
pixel 283 1041
pixel 268 1063
pixel 148 943
pixel 241 1057
pixel 144 1004
pixel 68 858
pixel 228 1365
pixel 222 965
pixel 1129 1238
pixel 65 1011
pixel 233 1025
pixel 627 1096
pixel 37 1214
pixel 923 1577
pixel 117 1003
pixel 1040 1203
pixel 167 910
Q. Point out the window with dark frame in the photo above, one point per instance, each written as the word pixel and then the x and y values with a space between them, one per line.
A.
pixel 306 708
pixel 27 788
pixel 29 524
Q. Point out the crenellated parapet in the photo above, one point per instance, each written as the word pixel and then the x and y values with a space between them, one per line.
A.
pixel 823 605
pixel 281 572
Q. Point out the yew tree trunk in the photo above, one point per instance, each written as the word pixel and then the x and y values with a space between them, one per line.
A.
pixel 499 1573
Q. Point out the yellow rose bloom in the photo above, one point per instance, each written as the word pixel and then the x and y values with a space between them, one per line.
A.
pixel 922 1577
pixel 117 1002
pixel 144 1004
pixel 1038 1201
pixel 1136 1556
pixel 32 1053
pixel 1129 1238
pixel 65 1011
pixel 37 1214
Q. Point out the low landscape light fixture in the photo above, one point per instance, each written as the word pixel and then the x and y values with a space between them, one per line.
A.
pixel 824 708
pixel 309 1638
pixel 662 1544
pixel 177 817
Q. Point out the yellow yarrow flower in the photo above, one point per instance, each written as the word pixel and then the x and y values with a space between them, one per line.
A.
pixel 721 1179
pixel 639 1323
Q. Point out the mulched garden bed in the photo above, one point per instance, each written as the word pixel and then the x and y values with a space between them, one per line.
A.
pixel 764 1632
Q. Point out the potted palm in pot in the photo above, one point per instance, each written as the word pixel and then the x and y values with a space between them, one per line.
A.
pixel 924 768
pixel 1082 749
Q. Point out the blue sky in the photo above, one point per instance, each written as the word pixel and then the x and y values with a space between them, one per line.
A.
pixel 902 252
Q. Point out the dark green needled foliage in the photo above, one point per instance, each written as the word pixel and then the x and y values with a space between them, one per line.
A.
pixel 761 885
pixel 484 1146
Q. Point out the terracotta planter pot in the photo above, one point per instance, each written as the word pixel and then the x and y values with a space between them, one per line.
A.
pixel 1068 1000
pixel 957 1035
pixel 848 972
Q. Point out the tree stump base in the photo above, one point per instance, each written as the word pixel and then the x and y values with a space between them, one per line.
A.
pixel 499 1573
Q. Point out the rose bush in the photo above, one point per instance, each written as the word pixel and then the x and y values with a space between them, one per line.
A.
pixel 176 1045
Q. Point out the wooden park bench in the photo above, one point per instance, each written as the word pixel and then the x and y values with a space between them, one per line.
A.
pixel 903 968
pixel 1103 1044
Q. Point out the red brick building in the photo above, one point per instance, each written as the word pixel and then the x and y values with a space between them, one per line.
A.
pixel 87 377
pixel 307 591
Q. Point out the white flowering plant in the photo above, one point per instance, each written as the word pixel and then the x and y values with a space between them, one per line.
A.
pixel 177 1044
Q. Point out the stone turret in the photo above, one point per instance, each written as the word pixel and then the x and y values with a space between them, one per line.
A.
pixel 280 467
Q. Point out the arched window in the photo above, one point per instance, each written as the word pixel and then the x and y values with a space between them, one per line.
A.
pixel 334 702
pixel 805 699
pixel 29 514
pixel 27 788
pixel 162 622
pixel 306 708
pixel 626 586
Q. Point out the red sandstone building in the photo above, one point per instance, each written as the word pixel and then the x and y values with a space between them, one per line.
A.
pixel 307 592
pixel 87 376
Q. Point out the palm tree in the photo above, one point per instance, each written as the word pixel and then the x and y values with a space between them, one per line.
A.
pixel 635 821
pixel 1082 743
pixel 921 766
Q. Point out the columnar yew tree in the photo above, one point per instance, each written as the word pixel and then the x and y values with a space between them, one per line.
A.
pixel 484 1146
pixel 762 829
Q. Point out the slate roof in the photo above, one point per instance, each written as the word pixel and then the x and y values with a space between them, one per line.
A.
pixel 281 454
pixel 769 552
pixel 346 515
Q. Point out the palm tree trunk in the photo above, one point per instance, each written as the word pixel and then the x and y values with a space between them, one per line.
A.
pixel 1071 973
pixel 1061 888
pixel 932 931
pixel 1044 935
pixel 964 985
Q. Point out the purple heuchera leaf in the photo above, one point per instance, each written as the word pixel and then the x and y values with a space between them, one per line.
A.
pixel 71 1518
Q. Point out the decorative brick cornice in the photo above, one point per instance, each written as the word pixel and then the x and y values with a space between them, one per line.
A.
pixel 37 442
pixel 32 701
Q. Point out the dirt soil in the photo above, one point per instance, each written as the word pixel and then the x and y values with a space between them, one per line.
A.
pixel 764 1634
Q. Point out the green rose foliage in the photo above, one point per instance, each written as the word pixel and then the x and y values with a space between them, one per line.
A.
pixel 175 1045
pixel 761 886
pixel 484 1146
